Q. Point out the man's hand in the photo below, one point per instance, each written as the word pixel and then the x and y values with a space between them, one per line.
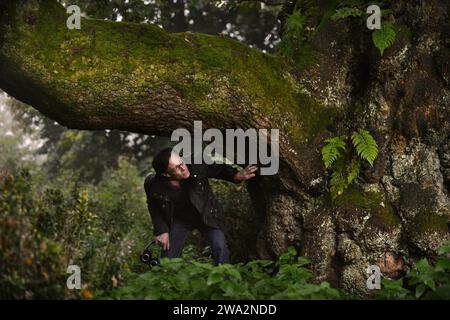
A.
pixel 245 174
pixel 163 240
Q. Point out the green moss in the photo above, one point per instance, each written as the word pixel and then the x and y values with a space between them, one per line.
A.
pixel 427 221
pixel 305 57
pixel 318 205
pixel 382 214
pixel 315 116
pixel 107 68
pixel 405 30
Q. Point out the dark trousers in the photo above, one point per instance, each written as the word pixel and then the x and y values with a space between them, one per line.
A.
pixel 177 238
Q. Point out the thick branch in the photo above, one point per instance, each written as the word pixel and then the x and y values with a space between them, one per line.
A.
pixel 139 78
pixel 135 77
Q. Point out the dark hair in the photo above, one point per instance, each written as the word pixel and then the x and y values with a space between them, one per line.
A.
pixel 161 160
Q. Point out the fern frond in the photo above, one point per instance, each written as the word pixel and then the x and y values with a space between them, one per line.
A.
pixel 384 37
pixel 338 182
pixel 293 35
pixel 353 170
pixel 365 144
pixel 295 22
pixel 332 150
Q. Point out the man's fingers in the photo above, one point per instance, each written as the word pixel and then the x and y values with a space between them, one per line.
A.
pixel 249 172
pixel 251 168
pixel 163 243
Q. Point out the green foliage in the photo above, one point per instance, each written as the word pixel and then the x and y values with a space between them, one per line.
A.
pixel 338 181
pixel 346 12
pixel 295 43
pixel 424 281
pixel 46 227
pixel 286 278
pixel 39 238
pixel 32 266
pixel 392 289
pixel 353 170
pixel 384 37
pixel 332 150
pixel 365 145
pixel 345 158
pixel 444 249
pixel 293 36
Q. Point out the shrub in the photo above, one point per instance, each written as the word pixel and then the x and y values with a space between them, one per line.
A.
pixel 425 281
pixel 287 278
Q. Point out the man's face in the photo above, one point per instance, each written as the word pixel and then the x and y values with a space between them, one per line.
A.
pixel 177 169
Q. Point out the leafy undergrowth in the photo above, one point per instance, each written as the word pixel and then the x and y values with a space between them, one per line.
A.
pixel 287 278
pixel 426 280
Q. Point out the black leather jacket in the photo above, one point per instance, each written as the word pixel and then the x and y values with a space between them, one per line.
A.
pixel 201 195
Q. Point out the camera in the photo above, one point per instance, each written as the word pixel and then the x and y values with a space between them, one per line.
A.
pixel 146 256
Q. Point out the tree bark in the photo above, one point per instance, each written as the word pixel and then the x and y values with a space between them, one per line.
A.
pixel 142 79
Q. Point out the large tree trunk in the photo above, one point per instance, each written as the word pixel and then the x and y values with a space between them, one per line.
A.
pixel 142 79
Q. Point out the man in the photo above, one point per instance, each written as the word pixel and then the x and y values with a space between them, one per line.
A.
pixel 180 199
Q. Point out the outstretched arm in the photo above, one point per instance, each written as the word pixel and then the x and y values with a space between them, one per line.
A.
pixel 228 173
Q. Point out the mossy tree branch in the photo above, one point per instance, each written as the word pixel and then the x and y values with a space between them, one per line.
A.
pixel 138 77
